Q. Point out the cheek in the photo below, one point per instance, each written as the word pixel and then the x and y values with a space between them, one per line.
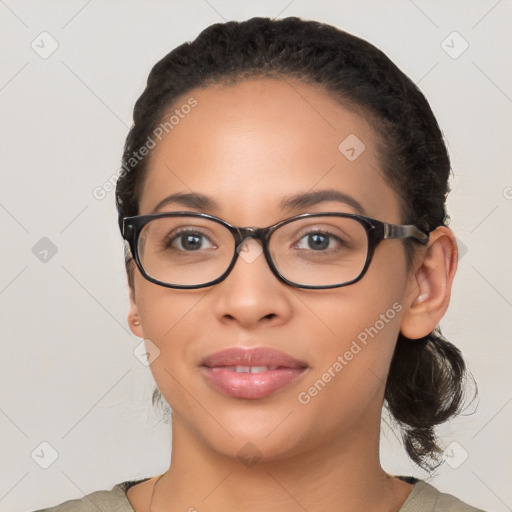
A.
pixel 165 311
pixel 362 336
pixel 171 321
pixel 360 327
pixel 347 383
pixel 373 302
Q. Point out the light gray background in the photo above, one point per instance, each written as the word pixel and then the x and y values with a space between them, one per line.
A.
pixel 68 373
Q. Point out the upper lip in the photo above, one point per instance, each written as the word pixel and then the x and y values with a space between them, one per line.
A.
pixel 259 356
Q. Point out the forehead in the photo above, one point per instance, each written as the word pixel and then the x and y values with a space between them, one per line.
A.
pixel 252 143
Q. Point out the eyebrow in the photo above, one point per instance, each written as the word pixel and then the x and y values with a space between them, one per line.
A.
pixel 197 201
pixel 307 199
pixel 298 201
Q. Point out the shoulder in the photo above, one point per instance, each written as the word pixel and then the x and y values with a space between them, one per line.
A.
pixel 426 498
pixel 114 500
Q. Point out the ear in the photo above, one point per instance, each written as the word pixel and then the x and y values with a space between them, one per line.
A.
pixel 133 316
pixel 430 284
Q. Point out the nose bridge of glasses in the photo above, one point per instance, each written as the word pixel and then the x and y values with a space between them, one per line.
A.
pixel 253 233
pixel 250 243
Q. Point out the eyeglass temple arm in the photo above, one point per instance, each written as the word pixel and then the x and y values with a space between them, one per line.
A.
pixel 409 231
pixel 121 223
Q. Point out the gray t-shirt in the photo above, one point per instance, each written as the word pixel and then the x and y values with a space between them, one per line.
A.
pixel 423 498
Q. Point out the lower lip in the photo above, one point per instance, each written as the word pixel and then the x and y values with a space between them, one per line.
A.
pixel 251 385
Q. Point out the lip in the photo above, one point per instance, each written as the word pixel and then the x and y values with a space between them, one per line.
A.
pixel 218 369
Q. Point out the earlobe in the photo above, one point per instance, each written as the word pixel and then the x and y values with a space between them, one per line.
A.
pixel 430 286
pixel 133 317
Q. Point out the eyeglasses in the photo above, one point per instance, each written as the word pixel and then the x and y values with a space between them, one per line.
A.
pixel 312 250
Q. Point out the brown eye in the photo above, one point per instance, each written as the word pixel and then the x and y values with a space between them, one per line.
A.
pixel 188 240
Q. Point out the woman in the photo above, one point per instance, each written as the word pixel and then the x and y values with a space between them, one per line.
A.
pixel 276 348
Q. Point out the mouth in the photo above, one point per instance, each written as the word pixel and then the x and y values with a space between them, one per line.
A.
pixel 251 373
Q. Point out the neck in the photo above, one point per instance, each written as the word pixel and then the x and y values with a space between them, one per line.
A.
pixel 342 475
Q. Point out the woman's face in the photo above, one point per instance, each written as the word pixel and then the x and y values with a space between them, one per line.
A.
pixel 248 147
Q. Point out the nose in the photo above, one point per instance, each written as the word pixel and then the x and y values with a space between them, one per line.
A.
pixel 251 294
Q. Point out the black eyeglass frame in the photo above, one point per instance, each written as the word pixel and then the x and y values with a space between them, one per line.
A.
pixel 376 231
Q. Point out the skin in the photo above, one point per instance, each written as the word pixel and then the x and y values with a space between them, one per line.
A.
pixel 247 146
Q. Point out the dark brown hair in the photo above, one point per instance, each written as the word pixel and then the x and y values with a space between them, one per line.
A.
pixel 425 386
